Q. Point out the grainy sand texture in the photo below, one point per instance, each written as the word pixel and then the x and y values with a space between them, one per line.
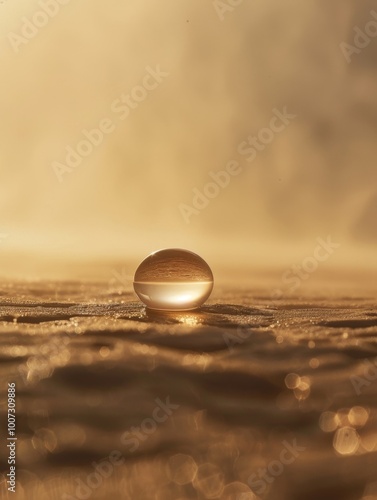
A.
pixel 245 398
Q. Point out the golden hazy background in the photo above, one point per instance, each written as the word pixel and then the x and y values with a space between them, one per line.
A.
pixel 227 69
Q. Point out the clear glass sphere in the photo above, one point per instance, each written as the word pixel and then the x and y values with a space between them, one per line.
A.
pixel 173 280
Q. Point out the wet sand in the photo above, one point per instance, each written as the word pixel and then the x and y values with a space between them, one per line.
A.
pixel 245 398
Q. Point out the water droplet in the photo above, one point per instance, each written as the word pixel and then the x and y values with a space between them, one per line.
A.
pixel 314 363
pixel 292 380
pixel 358 416
pixel 328 421
pixel 209 481
pixel 238 491
pixel 182 469
pixel 346 441
pixel 173 280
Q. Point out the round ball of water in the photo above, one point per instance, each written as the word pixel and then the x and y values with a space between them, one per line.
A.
pixel 173 280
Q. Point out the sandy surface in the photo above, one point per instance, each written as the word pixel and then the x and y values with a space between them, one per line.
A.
pixel 246 398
